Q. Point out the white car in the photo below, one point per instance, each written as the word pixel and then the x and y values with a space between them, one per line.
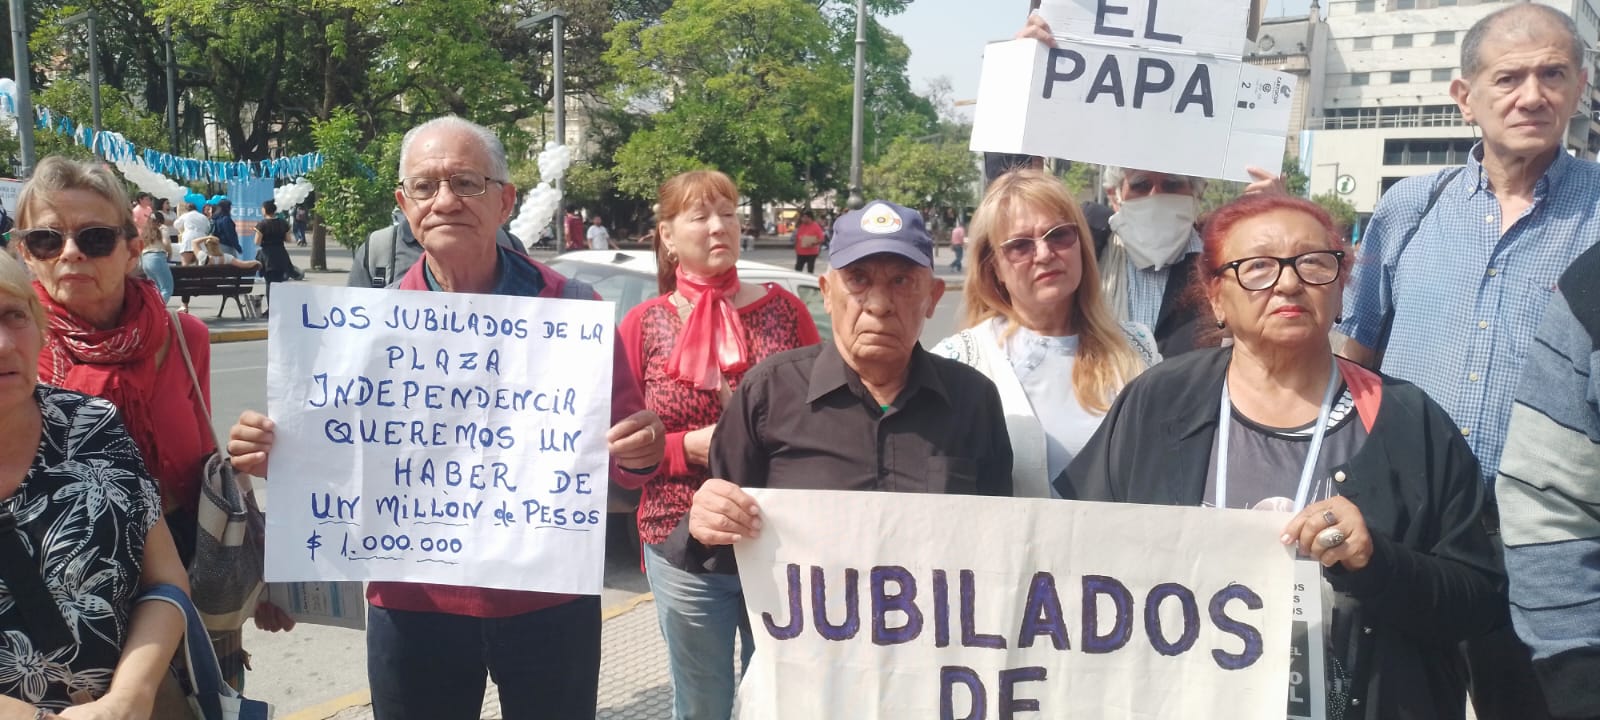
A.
pixel 628 277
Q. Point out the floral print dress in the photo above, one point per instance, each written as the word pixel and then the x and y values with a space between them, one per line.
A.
pixel 83 510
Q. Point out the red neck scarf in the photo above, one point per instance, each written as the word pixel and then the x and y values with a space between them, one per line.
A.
pixel 712 341
pixel 117 364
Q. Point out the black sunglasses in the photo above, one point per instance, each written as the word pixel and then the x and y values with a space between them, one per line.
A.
pixel 47 243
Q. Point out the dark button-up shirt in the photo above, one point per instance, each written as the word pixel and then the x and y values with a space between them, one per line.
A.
pixel 803 420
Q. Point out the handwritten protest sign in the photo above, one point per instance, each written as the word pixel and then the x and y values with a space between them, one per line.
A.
pixel 1150 85
pixel 911 606
pixel 438 437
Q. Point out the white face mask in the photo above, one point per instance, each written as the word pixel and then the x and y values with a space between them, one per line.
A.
pixel 1155 229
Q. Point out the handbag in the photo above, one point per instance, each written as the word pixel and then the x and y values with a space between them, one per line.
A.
pixel 229 548
pixel 194 687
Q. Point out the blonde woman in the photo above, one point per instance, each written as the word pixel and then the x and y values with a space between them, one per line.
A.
pixel 1036 325
pixel 153 256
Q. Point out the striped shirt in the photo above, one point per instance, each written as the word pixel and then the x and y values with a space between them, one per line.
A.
pixel 1466 298
pixel 1147 288
pixel 1549 489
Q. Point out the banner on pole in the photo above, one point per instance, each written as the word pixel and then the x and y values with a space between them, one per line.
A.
pixel 438 437
pixel 883 605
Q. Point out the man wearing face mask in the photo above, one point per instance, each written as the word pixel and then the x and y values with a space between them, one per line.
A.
pixel 1147 259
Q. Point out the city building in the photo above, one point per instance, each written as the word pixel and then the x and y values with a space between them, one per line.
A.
pixel 1385 110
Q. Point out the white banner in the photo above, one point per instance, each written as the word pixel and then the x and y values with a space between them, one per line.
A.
pixel 438 437
pixel 1149 85
pixel 882 605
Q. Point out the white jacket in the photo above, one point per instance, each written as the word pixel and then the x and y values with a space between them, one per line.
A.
pixel 982 349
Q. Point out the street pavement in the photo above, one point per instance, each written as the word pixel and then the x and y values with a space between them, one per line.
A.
pixel 319 673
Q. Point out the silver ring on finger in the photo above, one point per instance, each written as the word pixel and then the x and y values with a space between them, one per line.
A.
pixel 1331 538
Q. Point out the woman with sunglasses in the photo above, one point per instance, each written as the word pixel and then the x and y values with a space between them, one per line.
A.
pixel 1037 328
pixel 1383 489
pixel 109 335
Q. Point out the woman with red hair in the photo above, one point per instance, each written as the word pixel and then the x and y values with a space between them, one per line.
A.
pixel 1384 491
pixel 689 348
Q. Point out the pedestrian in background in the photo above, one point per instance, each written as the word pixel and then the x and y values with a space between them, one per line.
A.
pixel 153 257
pixel 1036 327
pixel 223 228
pixel 690 347
pixel 808 239
pixel 1457 267
pixel 958 245
pixel 573 229
pixel 1548 486
pixel 599 238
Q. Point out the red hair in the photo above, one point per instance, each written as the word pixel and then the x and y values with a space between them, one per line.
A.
pixel 678 194
pixel 1220 224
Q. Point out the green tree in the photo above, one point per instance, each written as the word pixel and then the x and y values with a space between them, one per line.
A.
pixel 1295 181
pixel 355 185
pixel 1344 214
pixel 923 175
pixel 749 87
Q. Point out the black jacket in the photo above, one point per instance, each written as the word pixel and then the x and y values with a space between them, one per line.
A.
pixel 1434 578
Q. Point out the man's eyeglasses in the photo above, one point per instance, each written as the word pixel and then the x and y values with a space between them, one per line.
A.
pixel 1318 267
pixel 466 184
pixel 1022 249
pixel 47 243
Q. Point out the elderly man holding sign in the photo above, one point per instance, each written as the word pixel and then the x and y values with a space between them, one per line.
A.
pixel 1384 489
pixel 871 410
pixel 429 646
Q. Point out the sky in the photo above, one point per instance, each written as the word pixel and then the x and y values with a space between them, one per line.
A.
pixel 947 36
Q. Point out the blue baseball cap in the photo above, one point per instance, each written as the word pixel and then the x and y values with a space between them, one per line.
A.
pixel 880 226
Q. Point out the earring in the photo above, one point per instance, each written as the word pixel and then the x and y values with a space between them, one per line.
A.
pixel 1338 318
pixel 1222 324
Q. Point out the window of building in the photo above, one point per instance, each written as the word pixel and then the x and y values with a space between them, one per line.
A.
pixel 1400 77
pixel 1366 6
pixel 1404 5
pixel 1402 41
pixel 1363 43
pixel 1447 37
pixel 1442 74
pixel 1426 152
pixel 1360 78
pixel 1446 3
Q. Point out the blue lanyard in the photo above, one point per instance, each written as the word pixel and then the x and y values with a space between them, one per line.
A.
pixel 1225 420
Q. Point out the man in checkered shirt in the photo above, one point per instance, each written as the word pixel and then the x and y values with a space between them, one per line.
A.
pixel 1462 298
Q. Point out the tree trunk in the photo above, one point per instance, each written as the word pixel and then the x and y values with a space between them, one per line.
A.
pixel 319 245
pixel 758 216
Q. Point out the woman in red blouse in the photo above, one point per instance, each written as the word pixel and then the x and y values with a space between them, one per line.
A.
pixel 690 347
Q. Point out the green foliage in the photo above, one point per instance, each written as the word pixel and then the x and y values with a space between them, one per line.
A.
pixel 1344 214
pixel 923 175
pixel 1296 182
pixel 750 87
pixel 1081 179
pixel 355 185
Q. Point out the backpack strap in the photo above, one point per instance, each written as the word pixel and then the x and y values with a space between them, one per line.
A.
pixel 1405 240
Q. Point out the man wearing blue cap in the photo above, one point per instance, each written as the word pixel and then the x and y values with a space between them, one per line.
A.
pixel 871 410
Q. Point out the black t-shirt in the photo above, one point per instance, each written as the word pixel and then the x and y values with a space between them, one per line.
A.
pixel 1264 463
pixel 271 232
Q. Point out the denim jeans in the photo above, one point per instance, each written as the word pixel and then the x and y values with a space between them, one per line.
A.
pixel 959 250
pixel 699 615
pixel 159 271
pixel 431 666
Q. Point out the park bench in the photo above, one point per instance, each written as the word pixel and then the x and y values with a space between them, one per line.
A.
pixel 232 283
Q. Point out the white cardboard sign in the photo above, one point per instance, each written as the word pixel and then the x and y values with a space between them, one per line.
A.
pixel 438 438
pixel 882 605
pixel 1175 97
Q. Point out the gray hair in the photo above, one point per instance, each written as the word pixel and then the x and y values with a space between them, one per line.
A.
pixel 1114 175
pixel 498 168
pixel 1520 19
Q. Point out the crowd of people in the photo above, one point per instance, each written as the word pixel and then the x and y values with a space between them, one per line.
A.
pixel 1403 401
